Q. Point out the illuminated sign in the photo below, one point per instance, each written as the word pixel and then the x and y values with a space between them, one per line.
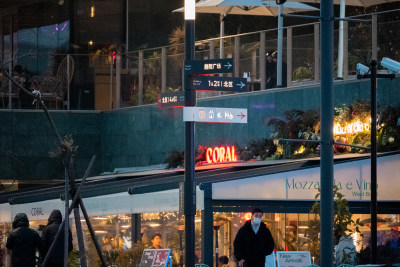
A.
pixel 218 84
pixel 218 115
pixel 351 128
pixel 221 154
pixel 171 100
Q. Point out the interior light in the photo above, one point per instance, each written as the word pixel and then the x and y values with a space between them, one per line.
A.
pixel 92 11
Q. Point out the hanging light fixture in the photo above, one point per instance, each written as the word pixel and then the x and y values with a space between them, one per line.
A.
pixel 92 9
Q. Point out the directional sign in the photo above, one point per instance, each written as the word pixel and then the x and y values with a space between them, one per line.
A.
pixel 218 115
pixel 171 100
pixel 221 84
pixel 209 66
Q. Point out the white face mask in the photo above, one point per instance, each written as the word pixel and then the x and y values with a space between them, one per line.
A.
pixel 257 220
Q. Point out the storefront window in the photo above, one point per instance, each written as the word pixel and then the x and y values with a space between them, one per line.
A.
pixel 291 232
pixel 171 226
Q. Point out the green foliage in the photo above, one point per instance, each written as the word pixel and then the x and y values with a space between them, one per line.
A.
pixel 302 73
pixel 124 257
pixel 342 221
pixel 174 159
pixel 262 149
pixel 297 124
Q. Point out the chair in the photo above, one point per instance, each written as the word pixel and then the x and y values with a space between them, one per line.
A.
pixel 5 93
pixel 64 76
pixel 53 87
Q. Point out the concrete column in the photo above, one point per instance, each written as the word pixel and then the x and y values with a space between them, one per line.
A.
pixel 141 54
pixel 262 61
pixel 345 50
pixel 375 36
pixel 207 226
pixel 111 82
pixel 118 67
pixel 289 56
pixel 317 52
pixel 212 49
pixel 236 60
pixel 163 70
pixel 136 234
pixel 253 65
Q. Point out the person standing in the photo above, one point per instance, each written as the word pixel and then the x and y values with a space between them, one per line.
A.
pixel 270 71
pixel 22 243
pixel 49 233
pixel 156 241
pixel 253 242
pixel 345 250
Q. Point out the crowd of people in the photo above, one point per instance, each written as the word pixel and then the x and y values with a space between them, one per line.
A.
pixel 23 242
pixel 253 242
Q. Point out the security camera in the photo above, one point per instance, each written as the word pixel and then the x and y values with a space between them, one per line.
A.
pixel 362 69
pixel 391 65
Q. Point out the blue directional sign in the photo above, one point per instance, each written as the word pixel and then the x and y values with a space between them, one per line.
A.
pixel 171 100
pixel 216 115
pixel 209 66
pixel 220 84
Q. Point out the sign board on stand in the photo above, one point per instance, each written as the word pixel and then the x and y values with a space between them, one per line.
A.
pixel 155 258
pixel 209 66
pixel 216 115
pixel 293 258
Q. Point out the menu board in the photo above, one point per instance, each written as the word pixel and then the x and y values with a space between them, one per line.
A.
pixel 155 258
pixel 293 258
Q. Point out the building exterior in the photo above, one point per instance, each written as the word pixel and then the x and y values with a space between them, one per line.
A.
pixel 128 207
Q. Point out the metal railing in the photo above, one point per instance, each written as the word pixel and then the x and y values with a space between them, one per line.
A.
pixel 103 81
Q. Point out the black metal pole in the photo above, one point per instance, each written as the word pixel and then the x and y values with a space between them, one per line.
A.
pixel 189 184
pixel 374 240
pixel 92 234
pixel 66 218
pixel 326 175
pixel 216 228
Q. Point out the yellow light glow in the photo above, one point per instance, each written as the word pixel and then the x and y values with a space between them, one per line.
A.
pixel 300 150
pixel 90 42
pixel 350 128
pixel 190 10
pixel 92 11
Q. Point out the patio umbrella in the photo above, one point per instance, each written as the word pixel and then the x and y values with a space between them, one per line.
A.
pixel 251 7
pixel 343 3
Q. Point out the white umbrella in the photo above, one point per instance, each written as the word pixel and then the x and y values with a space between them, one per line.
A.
pixel 343 3
pixel 255 8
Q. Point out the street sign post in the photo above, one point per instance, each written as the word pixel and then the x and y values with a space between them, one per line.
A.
pixel 171 100
pixel 220 84
pixel 216 115
pixel 209 66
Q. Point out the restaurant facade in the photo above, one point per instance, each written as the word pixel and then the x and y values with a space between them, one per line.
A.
pixel 127 208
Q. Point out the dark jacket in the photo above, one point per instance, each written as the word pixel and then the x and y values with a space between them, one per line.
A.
pixel 23 241
pixel 253 247
pixel 49 233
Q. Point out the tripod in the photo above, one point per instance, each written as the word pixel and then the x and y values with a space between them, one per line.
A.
pixel 67 152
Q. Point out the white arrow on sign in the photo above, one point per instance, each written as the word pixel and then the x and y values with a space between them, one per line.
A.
pixel 207 114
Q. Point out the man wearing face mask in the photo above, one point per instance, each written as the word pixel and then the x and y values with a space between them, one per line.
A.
pixel 253 242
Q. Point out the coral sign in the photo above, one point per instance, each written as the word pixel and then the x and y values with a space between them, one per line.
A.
pixel 351 128
pixel 221 154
